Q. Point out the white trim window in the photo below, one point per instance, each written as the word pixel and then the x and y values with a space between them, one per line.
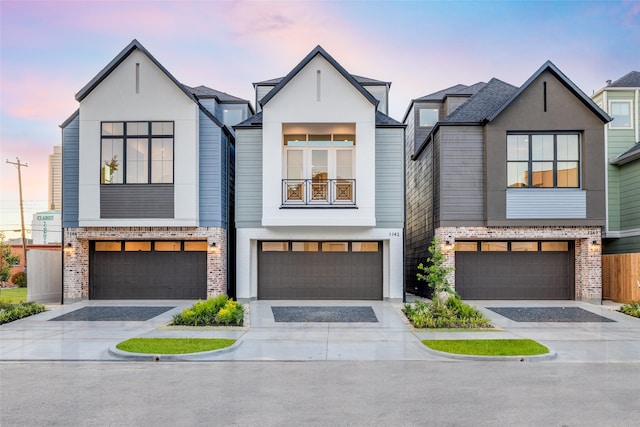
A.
pixel 621 112
pixel 427 117
pixel 319 168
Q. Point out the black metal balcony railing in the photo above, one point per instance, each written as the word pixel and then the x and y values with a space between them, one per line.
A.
pixel 318 192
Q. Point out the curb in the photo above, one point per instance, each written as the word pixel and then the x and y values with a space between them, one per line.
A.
pixel 536 358
pixel 146 357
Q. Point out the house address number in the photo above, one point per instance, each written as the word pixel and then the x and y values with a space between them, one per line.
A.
pixel 394 234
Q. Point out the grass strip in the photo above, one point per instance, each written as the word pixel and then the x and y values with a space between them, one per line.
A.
pixel 505 347
pixel 173 345
pixel 13 295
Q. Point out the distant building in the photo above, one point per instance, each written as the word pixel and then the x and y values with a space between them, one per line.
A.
pixel 46 228
pixel 55 179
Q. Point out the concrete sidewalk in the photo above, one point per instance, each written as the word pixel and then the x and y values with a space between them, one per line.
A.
pixel 391 338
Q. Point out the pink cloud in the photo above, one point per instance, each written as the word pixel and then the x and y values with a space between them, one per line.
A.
pixel 38 96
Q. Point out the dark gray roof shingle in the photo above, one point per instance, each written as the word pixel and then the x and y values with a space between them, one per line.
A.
pixel 359 79
pixel 631 79
pixel 479 106
pixel 206 92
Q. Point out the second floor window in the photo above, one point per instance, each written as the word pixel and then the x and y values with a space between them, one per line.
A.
pixel 621 114
pixel 136 153
pixel 543 161
pixel 428 116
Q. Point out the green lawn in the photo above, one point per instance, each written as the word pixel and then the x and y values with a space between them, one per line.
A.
pixel 13 295
pixel 173 345
pixel 507 347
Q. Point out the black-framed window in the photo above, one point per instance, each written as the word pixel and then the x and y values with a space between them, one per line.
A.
pixel 537 160
pixel 136 152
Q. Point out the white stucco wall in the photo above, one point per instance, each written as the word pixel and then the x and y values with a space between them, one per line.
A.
pixel 247 253
pixel 115 99
pixel 339 102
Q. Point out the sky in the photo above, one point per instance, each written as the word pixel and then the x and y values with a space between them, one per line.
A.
pixel 49 50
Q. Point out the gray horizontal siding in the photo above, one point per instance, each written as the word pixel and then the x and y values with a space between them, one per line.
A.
pixel 70 172
pixel 462 180
pixel 137 201
pixel 212 170
pixel 538 203
pixel 390 178
pixel 248 185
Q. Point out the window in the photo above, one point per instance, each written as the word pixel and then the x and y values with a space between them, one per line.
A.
pixel 555 246
pixel 466 246
pixel 196 246
pixel 108 246
pixel 137 246
pixel 494 246
pixel 428 116
pixel 167 246
pixel 232 116
pixel 364 247
pixel 304 246
pixel 335 246
pixel 318 167
pixel 543 161
pixel 621 114
pixel 524 246
pixel 275 246
pixel 136 153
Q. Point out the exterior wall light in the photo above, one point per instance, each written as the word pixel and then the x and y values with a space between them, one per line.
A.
pixel 448 245
pixel 68 249
pixel 213 248
pixel 594 246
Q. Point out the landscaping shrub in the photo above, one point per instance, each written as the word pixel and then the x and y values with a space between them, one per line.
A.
pixel 19 279
pixel 632 309
pixel 11 312
pixel 215 311
pixel 452 314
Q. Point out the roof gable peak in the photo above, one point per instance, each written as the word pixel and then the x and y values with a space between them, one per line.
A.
pixel 318 50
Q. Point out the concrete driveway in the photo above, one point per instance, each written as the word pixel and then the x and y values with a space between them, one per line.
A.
pixel 391 338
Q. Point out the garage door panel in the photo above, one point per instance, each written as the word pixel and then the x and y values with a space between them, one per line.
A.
pixel 147 275
pixel 319 275
pixel 515 275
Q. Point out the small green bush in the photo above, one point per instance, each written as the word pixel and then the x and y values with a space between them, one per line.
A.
pixel 215 311
pixel 19 279
pixel 11 312
pixel 452 314
pixel 632 309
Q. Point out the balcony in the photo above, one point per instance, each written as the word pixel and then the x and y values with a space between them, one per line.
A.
pixel 313 193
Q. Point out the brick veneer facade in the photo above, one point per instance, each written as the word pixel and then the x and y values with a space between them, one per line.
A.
pixel 76 263
pixel 588 261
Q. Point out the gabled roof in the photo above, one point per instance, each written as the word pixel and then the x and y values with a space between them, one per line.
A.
pixel 318 50
pixel 630 155
pixel 382 120
pixel 483 103
pixel 631 79
pixel 439 96
pixel 115 62
pixel 362 80
pixel 70 119
pixel 549 66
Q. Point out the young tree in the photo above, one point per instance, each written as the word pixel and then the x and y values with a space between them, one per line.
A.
pixel 435 273
pixel 7 259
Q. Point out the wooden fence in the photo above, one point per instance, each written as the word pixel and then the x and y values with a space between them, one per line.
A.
pixel 621 277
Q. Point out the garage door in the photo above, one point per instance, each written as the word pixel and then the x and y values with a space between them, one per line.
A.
pixel 320 270
pixel 148 270
pixel 515 270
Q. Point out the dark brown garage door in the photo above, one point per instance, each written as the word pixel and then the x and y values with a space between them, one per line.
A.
pixel 320 270
pixel 148 270
pixel 515 270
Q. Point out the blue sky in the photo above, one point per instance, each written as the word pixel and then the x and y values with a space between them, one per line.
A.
pixel 50 49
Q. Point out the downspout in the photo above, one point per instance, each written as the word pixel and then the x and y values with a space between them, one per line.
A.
pixel 404 215
pixel 605 105
pixel 61 217
pixel 637 116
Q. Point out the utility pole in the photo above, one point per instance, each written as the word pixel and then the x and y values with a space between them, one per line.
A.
pixel 18 165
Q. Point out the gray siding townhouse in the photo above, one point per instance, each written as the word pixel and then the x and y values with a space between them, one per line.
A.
pixel 512 182
pixel 148 170
pixel 621 100
pixel 320 188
